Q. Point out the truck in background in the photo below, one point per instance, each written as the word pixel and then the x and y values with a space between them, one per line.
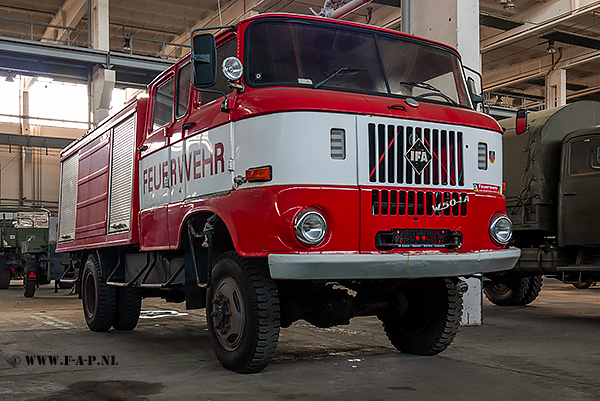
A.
pixel 332 170
pixel 27 244
pixel 552 177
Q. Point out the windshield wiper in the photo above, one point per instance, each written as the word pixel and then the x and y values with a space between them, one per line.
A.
pixel 432 88
pixel 343 70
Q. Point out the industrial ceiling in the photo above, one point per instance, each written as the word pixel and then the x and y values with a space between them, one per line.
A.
pixel 516 42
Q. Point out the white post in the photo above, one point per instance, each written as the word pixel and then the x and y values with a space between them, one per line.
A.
pixel 456 23
pixel 556 89
pixel 103 80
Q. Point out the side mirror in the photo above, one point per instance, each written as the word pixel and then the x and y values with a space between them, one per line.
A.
pixel 475 98
pixel 521 125
pixel 204 61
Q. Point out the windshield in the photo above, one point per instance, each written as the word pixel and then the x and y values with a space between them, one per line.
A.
pixel 328 56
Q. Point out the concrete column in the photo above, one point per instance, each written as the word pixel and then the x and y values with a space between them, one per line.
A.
pixel 455 23
pixel 103 80
pixel 556 89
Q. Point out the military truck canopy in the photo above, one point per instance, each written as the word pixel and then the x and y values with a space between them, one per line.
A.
pixel 532 162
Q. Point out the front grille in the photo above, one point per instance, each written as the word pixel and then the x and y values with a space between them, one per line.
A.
pixel 418 203
pixel 389 143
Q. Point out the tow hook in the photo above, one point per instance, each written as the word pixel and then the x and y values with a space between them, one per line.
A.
pixel 462 287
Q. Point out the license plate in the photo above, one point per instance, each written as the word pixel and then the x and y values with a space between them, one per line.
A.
pixel 421 238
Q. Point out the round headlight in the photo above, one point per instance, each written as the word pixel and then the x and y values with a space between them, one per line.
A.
pixel 232 68
pixel 501 229
pixel 310 227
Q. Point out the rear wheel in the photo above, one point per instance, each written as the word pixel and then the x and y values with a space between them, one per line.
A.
pixel 4 278
pixel 533 290
pixel 584 285
pixel 503 291
pixel 242 312
pixel 424 318
pixel 129 304
pixel 99 299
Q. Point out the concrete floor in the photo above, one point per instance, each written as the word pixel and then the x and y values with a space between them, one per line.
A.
pixel 545 351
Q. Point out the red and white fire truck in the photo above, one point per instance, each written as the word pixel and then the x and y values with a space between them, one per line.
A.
pixel 330 170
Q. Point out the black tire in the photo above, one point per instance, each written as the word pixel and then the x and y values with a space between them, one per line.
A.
pixel 242 312
pixel 99 299
pixel 533 290
pixel 129 305
pixel 4 278
pixel 427 318
pixel 504 291
pixel 28 287
pixel 584 285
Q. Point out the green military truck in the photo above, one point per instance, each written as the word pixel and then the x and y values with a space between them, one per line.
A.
pixel 26 247
pixel 552 178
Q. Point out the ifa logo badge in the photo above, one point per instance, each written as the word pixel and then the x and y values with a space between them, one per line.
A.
pixel 492 156
pixel 418 156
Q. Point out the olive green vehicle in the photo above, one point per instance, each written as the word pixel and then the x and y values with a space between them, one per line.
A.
pixel 552 178
pixel 26 249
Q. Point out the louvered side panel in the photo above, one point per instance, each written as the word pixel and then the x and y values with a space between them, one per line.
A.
pixel 69 171
pixel 121 180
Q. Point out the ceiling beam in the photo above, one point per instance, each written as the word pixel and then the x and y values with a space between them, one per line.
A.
pixel 69 15
pixel 538 20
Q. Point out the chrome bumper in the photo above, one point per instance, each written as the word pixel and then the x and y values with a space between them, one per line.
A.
pixel 389 266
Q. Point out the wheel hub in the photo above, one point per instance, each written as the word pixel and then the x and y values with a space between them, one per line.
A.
pixel 222 314
pixel 228 313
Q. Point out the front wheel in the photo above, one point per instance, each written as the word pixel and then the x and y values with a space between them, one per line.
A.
pixel 509 291
pixel 99 299
pixel 423 317
pixel 242 312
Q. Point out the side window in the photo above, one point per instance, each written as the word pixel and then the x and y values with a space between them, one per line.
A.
pixel 583 156
pixel 183 89
pixel 163 104
pixel 228 49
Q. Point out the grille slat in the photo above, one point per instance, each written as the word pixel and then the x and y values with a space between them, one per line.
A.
pixel 418 203
pixel 388 144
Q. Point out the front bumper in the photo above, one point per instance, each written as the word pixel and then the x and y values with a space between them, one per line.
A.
pixel 389 266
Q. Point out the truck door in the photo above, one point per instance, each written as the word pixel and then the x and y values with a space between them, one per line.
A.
pixel 579 214
pixel 154 166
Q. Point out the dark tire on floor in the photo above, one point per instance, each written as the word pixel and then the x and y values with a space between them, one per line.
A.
pixel 503 291
pixel 584 285
pixel 28 288
pixel 129 305
pixel 426 318
pixel 242 312
pixel 99 299
pixel 64 286
pixel 533 290
pixel 4 278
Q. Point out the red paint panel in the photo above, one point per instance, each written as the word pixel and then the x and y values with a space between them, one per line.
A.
pixel 92 191
pixel 154 227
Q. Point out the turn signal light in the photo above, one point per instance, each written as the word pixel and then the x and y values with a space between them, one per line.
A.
pixel 259 174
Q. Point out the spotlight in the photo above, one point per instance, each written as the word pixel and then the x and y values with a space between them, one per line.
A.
pixel 126 44
pixel 551 49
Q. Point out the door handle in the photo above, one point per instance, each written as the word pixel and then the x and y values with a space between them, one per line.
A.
pixel 569 193
pixel 142 148
pixel 188 125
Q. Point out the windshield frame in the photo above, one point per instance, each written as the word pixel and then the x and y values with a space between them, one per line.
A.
pixel 464 99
